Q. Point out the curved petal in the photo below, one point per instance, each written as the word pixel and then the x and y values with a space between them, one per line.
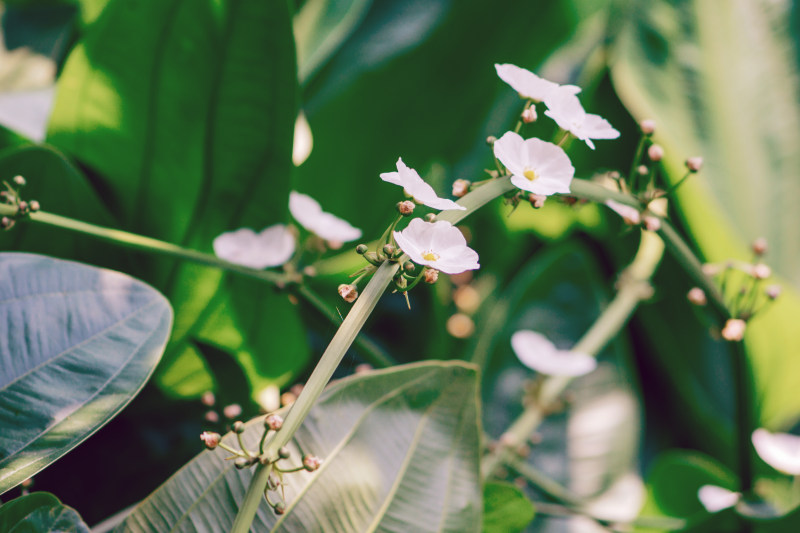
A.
pixel 715 498
pixel 508 150
pixel 779 450
pixel 537 353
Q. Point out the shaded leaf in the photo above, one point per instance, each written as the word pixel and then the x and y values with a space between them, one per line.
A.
pixel 400 450
pixel 505 509
pixel 40 512
pixel 78 345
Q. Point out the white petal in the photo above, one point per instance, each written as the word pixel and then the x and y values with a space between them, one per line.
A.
pixel 507 150
pixel 597 127
pixel 272 247
pixel 416 187
pixel 525 82
pixel 303 141
pixel 537 353
pixel 715 498
pixel 445 241
pixel 628 213
pixel 310 215
pixel 553 169
pixel 779 450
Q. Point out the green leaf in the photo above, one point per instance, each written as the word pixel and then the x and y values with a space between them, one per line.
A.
pixel 186 111
pixel 505 509
pixel 400 450
pixel 40 512
pixel 320 27
pixel 723 83
pixel 79 344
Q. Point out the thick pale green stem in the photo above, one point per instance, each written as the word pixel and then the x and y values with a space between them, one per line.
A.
pixel 252 499
pixel 634 286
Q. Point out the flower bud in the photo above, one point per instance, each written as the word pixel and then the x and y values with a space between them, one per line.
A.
pixel 363 368
pixel 6 223
pixel 232 411
pixel 241 463
pixel 655 152
pixel 405 207
pixel 760 246
pixel 280 508
pixel 529 115
pixel 284 453
pixel 460 188
pixel 696 296
pixel 361 249
pixel 19 181
pixel 734 329
pixel 710 269
pixel 460 326
pixel 430 217
pixel 34 205
pixel 761 271
pixel 642 170
pixel 273 422
pixel 537 200
pixel 773 291
pixel 22 207
pixel 349 293
pixel 409 267
pixel 389 250
pixel 272 483
pixel 311 462
pixel 238 427
pixel 208 399
pixel 431 276
pixel 210 439
pixel 694 164
pixel 614 175
pixel 490 140
pixel 652 223
pixel 288 398
pixel 309 271
pixel 648 126
pixel 212 417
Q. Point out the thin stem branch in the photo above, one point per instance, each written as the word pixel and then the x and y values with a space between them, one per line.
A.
pixel 634 287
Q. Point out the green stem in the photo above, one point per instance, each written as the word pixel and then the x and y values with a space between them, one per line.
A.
pixel 745 426
pixel 373 353
pixel 252 499
pixel 634 286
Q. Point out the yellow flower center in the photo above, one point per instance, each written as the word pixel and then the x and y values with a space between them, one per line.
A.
pixel 430 255
pixel 530 174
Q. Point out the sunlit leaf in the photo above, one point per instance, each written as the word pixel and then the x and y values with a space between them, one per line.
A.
pixel 505 509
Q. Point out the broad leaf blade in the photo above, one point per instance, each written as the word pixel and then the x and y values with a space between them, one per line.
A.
pixel 78 344
pixel 723 83
pixel 400 450
pixel 40 512
pixel 506 508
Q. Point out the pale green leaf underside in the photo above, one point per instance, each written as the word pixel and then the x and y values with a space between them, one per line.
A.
pixel 401 452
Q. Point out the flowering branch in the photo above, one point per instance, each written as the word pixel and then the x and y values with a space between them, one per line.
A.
pixel 634 287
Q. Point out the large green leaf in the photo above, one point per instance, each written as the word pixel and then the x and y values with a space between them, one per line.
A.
pixel 723 83
pixel 185 111
pixel 400 450
pixel 78 344
pixel 40 512
pixel 506 509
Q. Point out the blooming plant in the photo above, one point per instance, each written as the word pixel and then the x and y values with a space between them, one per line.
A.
pixel 451 408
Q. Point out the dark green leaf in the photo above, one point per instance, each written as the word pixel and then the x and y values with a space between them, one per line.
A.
pixel 40 512
pixel 400 450
pixel 79 343
pixel 505 509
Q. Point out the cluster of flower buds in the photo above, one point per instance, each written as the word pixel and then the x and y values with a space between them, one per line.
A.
pixel 744 288
pixel 12 196
pixel 243 457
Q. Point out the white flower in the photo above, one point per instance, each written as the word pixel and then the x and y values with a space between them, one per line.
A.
pixel 529 85
pixel 567 111
pixel 438 245
pixel 781 451
pixel 272 247
pixel 423 193
pixel 536 166
pixel 310 215
pixel 628 213
pixel 538 353
pixel 715 498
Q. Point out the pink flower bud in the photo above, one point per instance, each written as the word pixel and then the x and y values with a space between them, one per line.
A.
pixel 648 126
pixel 642 170
pixel 273 422
pixel 460 326
pixel 460 188
pixel 406 207
pixel 761 271
pixel 34 205
pixel 431 276
pixel 734 329
pixel 212 417
pixel 694 164
pixel 208 399
pixel 696 296
pixel 311 462
pixel 348 293
pixel 537 200
pixel 210 439
pixel 760 246
pixel 529 115
pixel 19 181
pixel 232 411
pixel 652 223
pixel 655 152
pixel 773 291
